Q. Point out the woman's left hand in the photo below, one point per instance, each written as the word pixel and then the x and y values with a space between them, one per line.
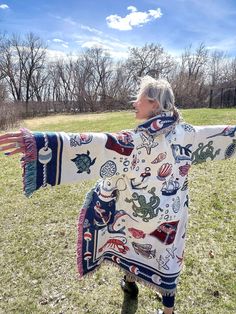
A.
pixel 12 141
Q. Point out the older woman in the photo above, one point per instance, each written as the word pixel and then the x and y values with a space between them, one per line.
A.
pixel 136 214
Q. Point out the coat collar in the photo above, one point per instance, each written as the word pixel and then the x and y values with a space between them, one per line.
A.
pixel 159 124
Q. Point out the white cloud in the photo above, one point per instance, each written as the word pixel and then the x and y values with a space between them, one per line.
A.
pixel 224 44
pixel 132 8
pixel 62 42
pixel 70 21
pixel 56 40
pixel 90 29
pixel 117 50
pixel 86 36
pixel 133 19
pixel 54 55
pixel 4 6
pixel 113 52
pixel 94 43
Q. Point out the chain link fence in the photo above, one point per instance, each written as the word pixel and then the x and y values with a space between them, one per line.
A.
pixel 222 97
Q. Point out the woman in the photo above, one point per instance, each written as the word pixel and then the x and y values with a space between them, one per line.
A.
pixel 136 215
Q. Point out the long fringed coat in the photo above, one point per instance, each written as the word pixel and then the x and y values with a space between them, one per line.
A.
pixel 136 214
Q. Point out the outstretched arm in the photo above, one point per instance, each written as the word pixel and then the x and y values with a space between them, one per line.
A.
pixel 12 142
pixel 214 143
pixel 57 158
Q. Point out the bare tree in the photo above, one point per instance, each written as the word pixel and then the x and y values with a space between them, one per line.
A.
pixel 19 61
pixel 149 60
pixel 216 67
pixel 94 81
pixel 96 86
pixel 189 83
pixel 33 55
pixel 11 69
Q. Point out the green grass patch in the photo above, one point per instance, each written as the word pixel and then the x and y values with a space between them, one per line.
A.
pixel 38 235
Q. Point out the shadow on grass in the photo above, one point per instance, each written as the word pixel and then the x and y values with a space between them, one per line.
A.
pixel 130 305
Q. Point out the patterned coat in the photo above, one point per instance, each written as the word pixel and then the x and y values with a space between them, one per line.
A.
pixel 136 214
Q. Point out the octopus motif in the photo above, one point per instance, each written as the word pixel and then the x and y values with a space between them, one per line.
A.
pixel 203 152
pixel 142 208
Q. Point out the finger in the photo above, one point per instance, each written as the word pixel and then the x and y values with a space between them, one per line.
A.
pixel 11 140
pixel 10 135
pixel 10 146
pixel 15 151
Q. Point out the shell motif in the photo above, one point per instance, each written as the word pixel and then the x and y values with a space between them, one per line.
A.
pixel 183 170
pixel 159 158
pixel 164 171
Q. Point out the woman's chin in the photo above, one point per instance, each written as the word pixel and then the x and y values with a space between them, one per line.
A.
pixel 137 116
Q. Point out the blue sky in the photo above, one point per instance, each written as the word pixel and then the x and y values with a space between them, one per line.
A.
pixel 69 26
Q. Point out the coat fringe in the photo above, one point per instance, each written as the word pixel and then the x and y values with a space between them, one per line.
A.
pixel 29 163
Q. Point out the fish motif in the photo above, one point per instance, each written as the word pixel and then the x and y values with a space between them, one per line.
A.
pixel 144 249
pixel 228 131
pixel 181 152
pixel 137 234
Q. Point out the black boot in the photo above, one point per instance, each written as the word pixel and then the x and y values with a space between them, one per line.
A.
pixel 130 288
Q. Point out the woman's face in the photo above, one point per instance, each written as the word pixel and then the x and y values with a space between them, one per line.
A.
pixel 144 108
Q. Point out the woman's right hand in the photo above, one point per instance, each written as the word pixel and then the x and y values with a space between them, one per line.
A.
pixel 12 142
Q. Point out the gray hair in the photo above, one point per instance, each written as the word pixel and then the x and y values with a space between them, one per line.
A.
pixel 157 90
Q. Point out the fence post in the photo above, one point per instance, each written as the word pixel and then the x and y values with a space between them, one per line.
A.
pixel 210 101
pixel 235 96
pixel 221 97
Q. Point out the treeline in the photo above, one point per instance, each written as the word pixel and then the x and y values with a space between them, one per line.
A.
pixel 31 84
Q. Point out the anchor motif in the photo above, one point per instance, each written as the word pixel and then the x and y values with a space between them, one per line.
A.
pixel 140 185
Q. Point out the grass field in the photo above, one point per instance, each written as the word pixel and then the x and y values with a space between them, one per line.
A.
pixel 38 236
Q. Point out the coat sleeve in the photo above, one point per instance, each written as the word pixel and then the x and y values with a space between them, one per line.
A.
pixel 53 158
pixel 213 143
